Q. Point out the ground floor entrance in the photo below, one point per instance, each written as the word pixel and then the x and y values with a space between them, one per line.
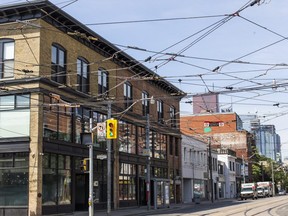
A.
pixel 81 192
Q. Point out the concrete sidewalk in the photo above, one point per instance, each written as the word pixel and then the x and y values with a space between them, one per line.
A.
pixel 131 211
pixel 142 211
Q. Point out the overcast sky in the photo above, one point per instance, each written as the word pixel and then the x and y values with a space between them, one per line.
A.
pixel 218 45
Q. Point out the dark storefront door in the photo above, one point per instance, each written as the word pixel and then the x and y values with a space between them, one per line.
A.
pixel 81 192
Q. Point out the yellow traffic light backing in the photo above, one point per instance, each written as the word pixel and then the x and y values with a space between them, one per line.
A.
pixel 84 166
pixel 111 129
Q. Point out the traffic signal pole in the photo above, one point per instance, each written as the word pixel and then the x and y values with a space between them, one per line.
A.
pixel 109 165
pixel 91 200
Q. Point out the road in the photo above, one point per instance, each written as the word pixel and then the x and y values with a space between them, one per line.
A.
pixel 274 206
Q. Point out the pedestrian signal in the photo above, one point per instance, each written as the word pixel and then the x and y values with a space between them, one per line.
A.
pixel 84 166
pixel 111 129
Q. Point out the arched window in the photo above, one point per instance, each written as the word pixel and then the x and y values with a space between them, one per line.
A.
pixel 58 64
pixel 7 58
pixel 82 75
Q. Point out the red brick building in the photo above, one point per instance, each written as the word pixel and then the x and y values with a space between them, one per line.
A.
pixel 224 129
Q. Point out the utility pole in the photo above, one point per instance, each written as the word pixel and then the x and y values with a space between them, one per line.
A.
pixel 109 165
pixel 273 184
pixel 243 169
pixel 148 161
pixel 91 199
pixel 210 169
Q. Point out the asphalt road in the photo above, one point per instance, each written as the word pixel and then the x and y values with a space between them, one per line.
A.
pixel 274 206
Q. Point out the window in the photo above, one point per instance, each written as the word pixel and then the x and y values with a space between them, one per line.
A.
pixel 160 111
pixel 145 103
pixel 127 183
pixel 15 115
pixel 127 138
pixel 102 81
pixel 82 75
pixel 58 63
pixel 128 95
pixel 172 112
pixel 160 145
pixel 14 179
pixel 56 179
pixel 7 58
pixel 184 154
pixel 57 120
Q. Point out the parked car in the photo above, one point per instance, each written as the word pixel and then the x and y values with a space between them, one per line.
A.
pixel 282 192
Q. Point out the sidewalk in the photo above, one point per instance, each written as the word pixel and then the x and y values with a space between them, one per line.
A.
pixel 132 211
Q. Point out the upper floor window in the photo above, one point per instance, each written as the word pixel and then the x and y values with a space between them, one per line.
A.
pixel 102 81
pixel 128 95
pixel 184 154
pixel 145 103
pixel 58 63
pixel 160 111
pixel 172 112
pixel 82 75
pixel 7 58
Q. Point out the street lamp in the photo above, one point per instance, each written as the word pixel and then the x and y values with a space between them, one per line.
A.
pixel 148 193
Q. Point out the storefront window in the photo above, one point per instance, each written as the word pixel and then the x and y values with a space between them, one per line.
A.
pixel 198 189
pixel 14 179
pixel 127 184
pixel 56 179
pixel 64 180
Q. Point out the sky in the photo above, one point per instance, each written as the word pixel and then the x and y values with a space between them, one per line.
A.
pixel 203 46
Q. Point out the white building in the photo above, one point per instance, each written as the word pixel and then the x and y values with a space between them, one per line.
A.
pixel 227 159
pixel 195 169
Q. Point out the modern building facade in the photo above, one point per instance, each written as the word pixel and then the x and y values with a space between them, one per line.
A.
pixel 267 141
pixel 59 80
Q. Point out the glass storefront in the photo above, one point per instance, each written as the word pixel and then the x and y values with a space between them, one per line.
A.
pixel 127 184
pixel 56 179
pixel 14 179
pixel 198 189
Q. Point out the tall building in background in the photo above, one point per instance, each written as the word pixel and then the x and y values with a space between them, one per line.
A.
pixel 250 122
pixel 206 103
pixel 267 140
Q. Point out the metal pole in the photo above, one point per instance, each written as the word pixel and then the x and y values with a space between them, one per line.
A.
pixel 148 163
pixel 109 166
pixel 243 169
pixel 90 199
pixel 273 184
pixel 210 169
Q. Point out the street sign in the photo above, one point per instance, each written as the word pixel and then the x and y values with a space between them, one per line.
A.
pixel 101 131
pixel 207 129
pixel 146 152
pixel 102 156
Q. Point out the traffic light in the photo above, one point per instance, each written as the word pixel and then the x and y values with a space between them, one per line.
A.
pixel 111 129
pixel 84 166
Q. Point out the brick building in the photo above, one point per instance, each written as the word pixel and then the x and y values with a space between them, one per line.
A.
pixel 225 131
pixel 57 79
